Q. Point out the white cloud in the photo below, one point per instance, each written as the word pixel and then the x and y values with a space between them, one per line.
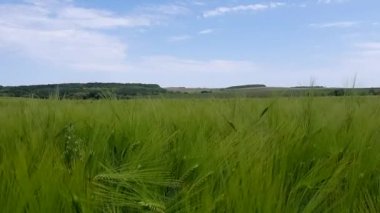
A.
pixel 47 2
pixel 174 71
pixel 363 61
pixel 366 51
pixel 365 64
pixel 341 24
pixel 61 34
pixel 170 64
pixel 199 3
pixel 369 45
pixel 66 17
pixel 169 9
pixel 206 31
pixel 185 37
pixel 241 8
pixel 98 19
pixel 331 1
pixel 74 38
pixel 68 48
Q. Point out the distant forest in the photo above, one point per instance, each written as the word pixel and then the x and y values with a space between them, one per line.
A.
pixel 247 86
pixel 136 90
pixel 83 91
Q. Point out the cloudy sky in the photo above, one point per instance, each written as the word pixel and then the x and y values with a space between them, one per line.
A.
pixel 193 43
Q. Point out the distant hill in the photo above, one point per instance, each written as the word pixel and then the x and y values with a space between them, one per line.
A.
pixel 247 86
pixel 83 91
pixel 309 87
pixel 136 90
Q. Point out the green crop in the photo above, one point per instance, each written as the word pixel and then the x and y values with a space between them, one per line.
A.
pixel 195 155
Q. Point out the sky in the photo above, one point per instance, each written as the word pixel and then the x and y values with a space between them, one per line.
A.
pixel 191 43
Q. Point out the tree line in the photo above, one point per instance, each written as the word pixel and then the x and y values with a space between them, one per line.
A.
pixel 83 91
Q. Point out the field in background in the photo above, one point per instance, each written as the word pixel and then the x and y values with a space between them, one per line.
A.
pixel 95 91
pixel 193 155
pixel 257 92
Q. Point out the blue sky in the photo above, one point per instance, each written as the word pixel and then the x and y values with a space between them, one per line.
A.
pixel 193 43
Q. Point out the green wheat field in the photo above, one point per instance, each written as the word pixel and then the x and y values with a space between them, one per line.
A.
pixel 304 154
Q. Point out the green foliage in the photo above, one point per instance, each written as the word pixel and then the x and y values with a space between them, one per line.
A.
pixel 96 91
pixel 83 91
pixel 337 92
pixel 193 155
pixel 247 86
